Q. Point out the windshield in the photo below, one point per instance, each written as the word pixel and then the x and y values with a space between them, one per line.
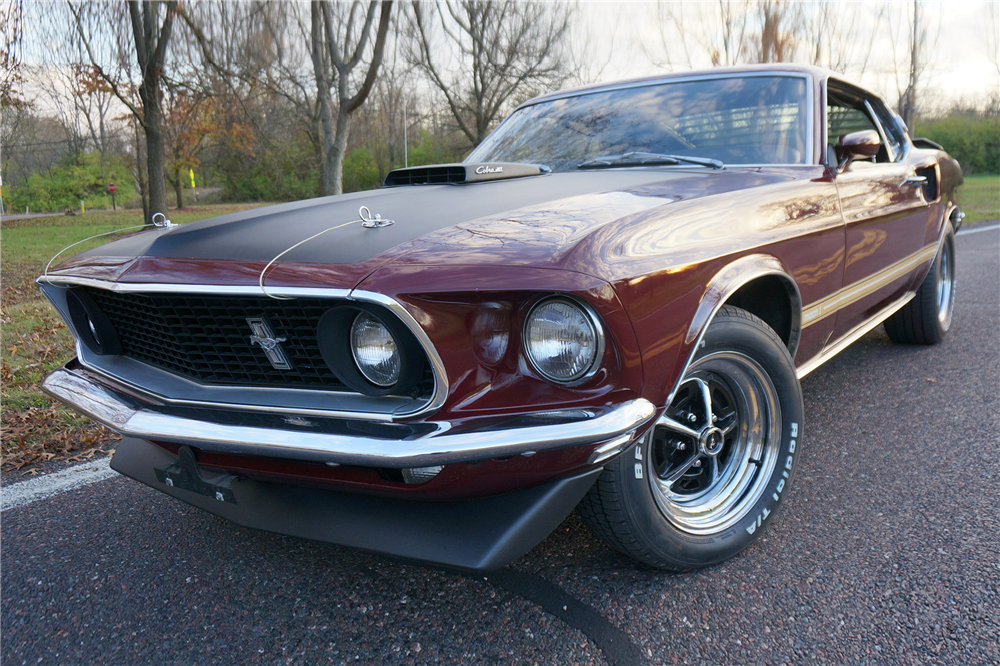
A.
pixel 742 120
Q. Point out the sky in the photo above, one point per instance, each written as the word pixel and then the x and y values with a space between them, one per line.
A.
pixel 961 66
pixel 618 40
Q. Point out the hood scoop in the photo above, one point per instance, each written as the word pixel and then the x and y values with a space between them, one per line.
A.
pixel 461 173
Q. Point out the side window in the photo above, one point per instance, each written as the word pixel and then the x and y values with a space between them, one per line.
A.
pixel 846 113
pixel 844 120
pixel 893 135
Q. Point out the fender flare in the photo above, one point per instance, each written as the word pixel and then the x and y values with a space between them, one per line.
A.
pixel 726 282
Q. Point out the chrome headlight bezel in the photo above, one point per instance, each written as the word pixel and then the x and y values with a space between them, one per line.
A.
pixel 590 317
pixel 335 338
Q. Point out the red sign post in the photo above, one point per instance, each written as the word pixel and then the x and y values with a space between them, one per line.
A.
pixel 111 191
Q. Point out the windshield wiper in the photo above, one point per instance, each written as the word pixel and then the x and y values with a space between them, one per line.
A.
pixel 647 159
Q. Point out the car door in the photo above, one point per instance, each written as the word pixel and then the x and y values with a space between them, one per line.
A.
pixel 884 207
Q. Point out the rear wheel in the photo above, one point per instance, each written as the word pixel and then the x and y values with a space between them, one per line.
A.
pixel 709 476
pixel 927 317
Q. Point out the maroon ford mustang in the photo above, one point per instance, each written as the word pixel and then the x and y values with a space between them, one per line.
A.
pixel 607 306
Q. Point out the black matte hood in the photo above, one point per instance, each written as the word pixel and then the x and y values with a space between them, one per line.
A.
pixel 560 206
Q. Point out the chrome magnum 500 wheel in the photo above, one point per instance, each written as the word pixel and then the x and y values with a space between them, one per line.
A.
pixel 710 474
pixel 927 317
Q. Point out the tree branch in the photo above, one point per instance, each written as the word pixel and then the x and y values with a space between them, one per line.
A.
pixel 100 70
pixel 358 99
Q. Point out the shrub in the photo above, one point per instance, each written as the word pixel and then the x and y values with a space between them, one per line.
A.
pixel 360 171
pixel 972 140
pixel 76 177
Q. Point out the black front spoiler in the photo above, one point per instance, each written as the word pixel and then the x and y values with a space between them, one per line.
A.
pixel 482 534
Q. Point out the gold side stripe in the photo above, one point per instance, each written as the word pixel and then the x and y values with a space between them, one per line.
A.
pixel 851 336
pixel 853 293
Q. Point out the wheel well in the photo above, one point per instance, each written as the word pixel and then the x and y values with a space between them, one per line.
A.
pixel 774 301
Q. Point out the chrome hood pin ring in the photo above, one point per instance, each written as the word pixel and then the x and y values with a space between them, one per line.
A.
pixel 369 222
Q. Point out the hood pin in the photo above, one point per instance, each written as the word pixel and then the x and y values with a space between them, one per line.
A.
pixel 163 221
pixel 369 222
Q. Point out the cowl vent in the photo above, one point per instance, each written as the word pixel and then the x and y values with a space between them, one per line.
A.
pixel 461 173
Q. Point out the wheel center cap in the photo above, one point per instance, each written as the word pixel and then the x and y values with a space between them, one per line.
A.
pixel 710 441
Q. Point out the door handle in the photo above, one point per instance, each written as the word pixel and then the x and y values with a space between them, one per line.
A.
pixel 913 181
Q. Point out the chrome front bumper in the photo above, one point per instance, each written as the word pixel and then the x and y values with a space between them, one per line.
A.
pixel 611 427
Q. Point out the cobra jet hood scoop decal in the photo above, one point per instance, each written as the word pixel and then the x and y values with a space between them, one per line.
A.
pixel 461 173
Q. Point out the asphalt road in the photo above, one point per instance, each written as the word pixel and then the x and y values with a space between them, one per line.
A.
pixel 887 552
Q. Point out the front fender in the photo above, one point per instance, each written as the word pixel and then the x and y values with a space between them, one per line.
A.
pixel 669 335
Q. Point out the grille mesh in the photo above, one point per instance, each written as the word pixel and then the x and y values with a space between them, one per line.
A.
pixel 207 337
pixel 426 175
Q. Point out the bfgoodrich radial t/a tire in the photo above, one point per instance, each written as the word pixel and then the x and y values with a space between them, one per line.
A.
pixel 709 476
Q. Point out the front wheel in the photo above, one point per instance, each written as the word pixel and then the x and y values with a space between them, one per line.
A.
pixel 709 476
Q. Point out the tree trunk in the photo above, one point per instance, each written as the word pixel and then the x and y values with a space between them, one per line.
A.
pixel 140 181
pixel 910 110
pixel 321 155
pixel 151 48
pixel 335 157
pixel 324 45
pixel 326 187
pixel 329 184
pixel 101 150
pixel 155 149
pixel 178 189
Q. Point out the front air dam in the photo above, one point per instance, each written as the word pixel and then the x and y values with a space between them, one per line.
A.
pixel 482 534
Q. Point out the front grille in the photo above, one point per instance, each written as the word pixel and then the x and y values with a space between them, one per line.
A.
pixel 207 338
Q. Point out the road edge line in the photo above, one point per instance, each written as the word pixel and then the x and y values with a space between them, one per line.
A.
pixel 23 493
pixel 976 230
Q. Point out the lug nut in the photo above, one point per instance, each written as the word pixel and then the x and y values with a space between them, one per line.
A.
pixel 697 463
pixel 680 446
pixel 692 418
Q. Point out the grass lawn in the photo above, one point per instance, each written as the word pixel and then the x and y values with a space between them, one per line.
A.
pixel 34 341
pixel 979 197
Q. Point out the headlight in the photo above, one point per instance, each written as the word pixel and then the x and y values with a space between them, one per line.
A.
pixel 371 352
pixel 375 350
pixel 562 340
pixel 491 332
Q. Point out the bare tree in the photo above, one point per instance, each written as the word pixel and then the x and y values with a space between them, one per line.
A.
pixel 777 38
pixel 991 30
pixel 102 31
pixel 261 54
pixel 910 66
pixel 593 44
pixel 907 100
pixel 10 51
pixel 842 36
pixel 495 53
pixel 720 33
pixel 384 124
pixel 334 60
pixel 733 21
pixel 838 36
pixel 672 36
pixel 82 101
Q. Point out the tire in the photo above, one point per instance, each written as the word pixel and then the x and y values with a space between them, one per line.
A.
pixel 926 319
pixel 646 505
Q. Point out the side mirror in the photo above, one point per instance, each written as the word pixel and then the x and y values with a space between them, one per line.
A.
pixel 857 145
